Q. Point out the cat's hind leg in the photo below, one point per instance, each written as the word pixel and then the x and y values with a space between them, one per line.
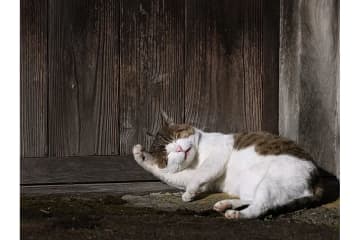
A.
pixel 262 201
pixel 223 205
pixel 252 211
pixel 267 196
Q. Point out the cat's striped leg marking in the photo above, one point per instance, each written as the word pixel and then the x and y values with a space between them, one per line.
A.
pixel 223 205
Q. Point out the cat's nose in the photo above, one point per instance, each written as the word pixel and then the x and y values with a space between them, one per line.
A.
pixel 179 149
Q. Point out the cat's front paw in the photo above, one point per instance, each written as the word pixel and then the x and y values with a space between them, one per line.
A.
pixel 138 152
pixel 188 196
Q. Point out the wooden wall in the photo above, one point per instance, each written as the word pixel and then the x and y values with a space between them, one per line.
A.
pixel 309 78
pixel 96 73
pixel 34 78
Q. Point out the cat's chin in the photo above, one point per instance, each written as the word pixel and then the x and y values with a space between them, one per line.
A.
pixel 173 168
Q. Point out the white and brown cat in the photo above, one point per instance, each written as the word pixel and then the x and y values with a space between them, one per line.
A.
pixel 264 171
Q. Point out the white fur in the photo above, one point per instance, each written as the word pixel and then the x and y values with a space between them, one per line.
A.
pixel 262 182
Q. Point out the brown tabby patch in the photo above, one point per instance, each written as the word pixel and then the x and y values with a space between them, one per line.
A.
pixel 269 144
pixel 166 135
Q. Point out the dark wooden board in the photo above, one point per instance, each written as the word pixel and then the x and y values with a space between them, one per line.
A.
pixel 270 65
pixel 228 72
pixel 151 67
pixel 33 78
pixel 81 170
pixel 309 79
pixel 83 77
pixel 98 188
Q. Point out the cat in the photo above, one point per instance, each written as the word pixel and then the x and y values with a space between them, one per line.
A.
pixel 263 171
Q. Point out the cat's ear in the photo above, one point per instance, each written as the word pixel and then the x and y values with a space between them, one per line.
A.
pixel 149 134
pixel 169 121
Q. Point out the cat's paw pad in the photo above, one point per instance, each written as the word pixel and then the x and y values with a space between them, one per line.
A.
pixel 233 214
pixel 221 206
pixel 138 152
pixel 187 196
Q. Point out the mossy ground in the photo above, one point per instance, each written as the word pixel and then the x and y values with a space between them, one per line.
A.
pixel 96 216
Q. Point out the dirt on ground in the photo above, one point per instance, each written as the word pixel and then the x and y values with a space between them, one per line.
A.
pixel 162 216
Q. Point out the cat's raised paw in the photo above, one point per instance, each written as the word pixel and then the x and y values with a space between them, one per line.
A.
pixel 138 153
pixel 138 149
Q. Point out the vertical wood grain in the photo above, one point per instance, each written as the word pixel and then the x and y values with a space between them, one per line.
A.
pixel 270 64
pixel 227 75
pixel 309 78
pixel 151 68
pixel 96 73
pixel 319 115
pixel 33 77
pixel 83 77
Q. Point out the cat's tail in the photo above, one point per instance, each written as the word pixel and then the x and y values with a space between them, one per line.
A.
pixel 326 187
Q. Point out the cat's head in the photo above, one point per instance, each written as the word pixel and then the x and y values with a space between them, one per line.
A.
pixel 174 146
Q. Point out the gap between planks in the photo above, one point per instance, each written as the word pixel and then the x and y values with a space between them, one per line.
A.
pixel 108 188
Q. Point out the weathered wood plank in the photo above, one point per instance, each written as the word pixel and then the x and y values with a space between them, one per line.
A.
pixel 109 188
pixel 151 67
pixel 309 78
pixel 227 74
pixel 270 65
pixel 81 170
pixel 33 77
pixel 83 77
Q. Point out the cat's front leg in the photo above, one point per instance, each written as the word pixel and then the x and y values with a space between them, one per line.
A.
pixel 210 170
pixel 191 191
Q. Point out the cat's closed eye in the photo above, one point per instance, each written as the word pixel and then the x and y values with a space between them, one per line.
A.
pixel 179 134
